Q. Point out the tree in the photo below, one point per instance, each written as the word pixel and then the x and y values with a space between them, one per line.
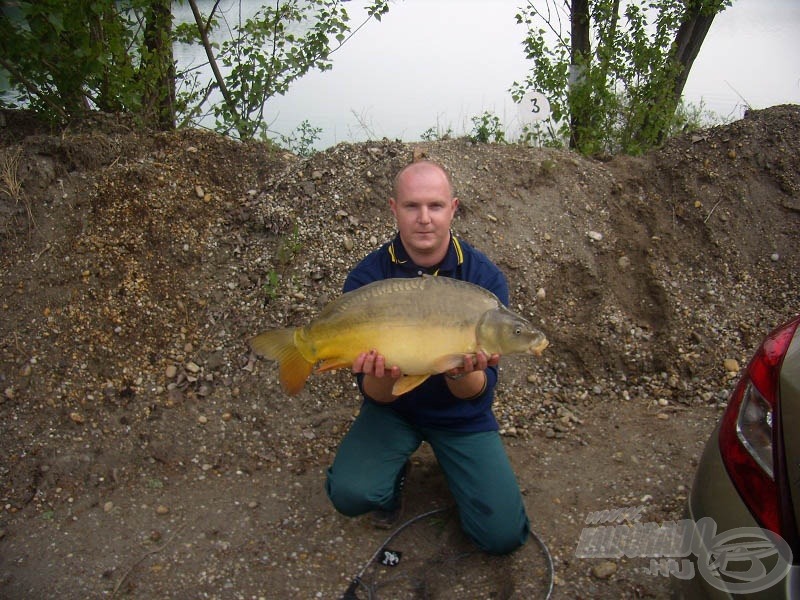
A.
pixel 267 53
pixel 64 59
pixel 67 58
pixel 616 82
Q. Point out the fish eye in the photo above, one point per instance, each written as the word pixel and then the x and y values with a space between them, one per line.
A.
pixel 518 331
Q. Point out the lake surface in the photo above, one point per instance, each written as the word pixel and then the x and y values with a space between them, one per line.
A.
pixel 437 63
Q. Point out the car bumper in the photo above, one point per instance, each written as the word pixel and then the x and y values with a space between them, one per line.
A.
pixel 714 497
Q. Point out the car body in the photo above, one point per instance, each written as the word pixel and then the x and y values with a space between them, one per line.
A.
pixel 747 485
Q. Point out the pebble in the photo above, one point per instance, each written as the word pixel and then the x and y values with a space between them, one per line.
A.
pixel 202 419
pixel 162 510
pixel 731 365
pixel 108 507
pixel 624 262
pixel 77 417
pixel 541 294
pixel 774 257
pixel 604 570
pixel 9 393
pixel 171 371
pixel 199 192
pixel 348 244
pixel 595 235
pixel 192 367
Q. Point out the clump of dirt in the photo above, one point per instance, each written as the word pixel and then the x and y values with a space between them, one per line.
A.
pixel 148 453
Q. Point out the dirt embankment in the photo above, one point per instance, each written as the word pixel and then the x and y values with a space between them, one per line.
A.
pixel 146 453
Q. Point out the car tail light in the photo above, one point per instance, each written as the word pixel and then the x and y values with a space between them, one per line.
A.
pixel 750 438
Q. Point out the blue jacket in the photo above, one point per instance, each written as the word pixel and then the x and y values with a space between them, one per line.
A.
pixel 431 404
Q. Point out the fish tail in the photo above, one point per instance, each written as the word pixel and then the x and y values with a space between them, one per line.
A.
pixel 279 345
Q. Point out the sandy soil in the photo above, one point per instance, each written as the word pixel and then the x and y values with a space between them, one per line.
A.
pixel 146 453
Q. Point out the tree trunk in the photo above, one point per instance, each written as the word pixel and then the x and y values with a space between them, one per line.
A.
pixel 579 57
pixel 688 40
pixel 158 67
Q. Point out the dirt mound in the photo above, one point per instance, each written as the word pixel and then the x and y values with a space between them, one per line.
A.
pixel 147 453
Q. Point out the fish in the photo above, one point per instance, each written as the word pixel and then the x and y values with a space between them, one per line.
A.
pixel 423 325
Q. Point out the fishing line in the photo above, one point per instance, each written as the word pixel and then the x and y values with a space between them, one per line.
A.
pixel 350 592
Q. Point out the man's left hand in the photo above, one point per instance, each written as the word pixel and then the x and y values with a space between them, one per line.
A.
pixel 475 362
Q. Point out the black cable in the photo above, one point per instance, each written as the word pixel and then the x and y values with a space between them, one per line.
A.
pixel 551 570
pixel 350 592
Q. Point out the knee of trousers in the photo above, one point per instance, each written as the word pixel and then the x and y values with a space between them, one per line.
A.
pixel 498 534
pixel 349 498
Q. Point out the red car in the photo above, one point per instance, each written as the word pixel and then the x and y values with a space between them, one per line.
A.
pixel 744 507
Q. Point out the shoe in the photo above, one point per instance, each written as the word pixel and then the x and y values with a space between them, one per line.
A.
pixel 386 519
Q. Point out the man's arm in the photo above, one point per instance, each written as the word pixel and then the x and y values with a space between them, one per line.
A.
pixel 470 380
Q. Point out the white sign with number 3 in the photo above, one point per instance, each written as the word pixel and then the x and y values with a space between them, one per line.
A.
pixel 533 108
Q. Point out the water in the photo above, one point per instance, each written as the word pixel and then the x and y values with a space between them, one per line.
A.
pixel 436 63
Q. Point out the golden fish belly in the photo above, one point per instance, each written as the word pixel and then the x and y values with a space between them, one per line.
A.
pixel 415 348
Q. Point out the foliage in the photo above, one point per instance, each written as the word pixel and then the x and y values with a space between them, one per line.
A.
pixel 435 133
pixel 64 58
pixel 302 140
pixel 268 52
pixel 621 95
pixel 486 128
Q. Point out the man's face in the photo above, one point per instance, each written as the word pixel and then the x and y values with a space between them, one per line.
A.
pixel 424 208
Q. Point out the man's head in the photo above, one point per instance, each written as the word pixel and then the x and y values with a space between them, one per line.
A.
pixel 423 205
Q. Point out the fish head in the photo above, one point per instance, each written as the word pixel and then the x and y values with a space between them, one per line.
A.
pixel 504 332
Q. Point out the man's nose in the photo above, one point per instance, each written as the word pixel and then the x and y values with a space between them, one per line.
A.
pixel 424 215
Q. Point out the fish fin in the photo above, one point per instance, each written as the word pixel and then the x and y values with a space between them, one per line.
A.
pixel 447 362
pixel 331 364
pixel 279 345
pixel 408 383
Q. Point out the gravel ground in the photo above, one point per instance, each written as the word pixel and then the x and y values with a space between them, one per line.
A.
pixel 147 453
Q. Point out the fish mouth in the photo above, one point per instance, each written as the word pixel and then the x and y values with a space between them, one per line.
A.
pixel 537 347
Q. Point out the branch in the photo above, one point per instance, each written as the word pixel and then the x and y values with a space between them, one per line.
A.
pixel 33 89
pixel 546 19
pixel 203 29
pixel 149 552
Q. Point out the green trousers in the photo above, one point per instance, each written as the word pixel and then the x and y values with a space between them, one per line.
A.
pixel 476 466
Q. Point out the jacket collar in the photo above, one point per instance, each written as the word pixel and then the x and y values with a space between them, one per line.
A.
pixel 453 259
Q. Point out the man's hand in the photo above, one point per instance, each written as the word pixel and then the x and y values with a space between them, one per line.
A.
pixel 470 379
pixel 374 364
pixel 378 378
pixel 475 362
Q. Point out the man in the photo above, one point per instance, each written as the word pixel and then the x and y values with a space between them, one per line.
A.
pixel 452 411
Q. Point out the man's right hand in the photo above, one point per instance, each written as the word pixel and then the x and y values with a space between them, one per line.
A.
pixel 374 364
pixel 378 378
